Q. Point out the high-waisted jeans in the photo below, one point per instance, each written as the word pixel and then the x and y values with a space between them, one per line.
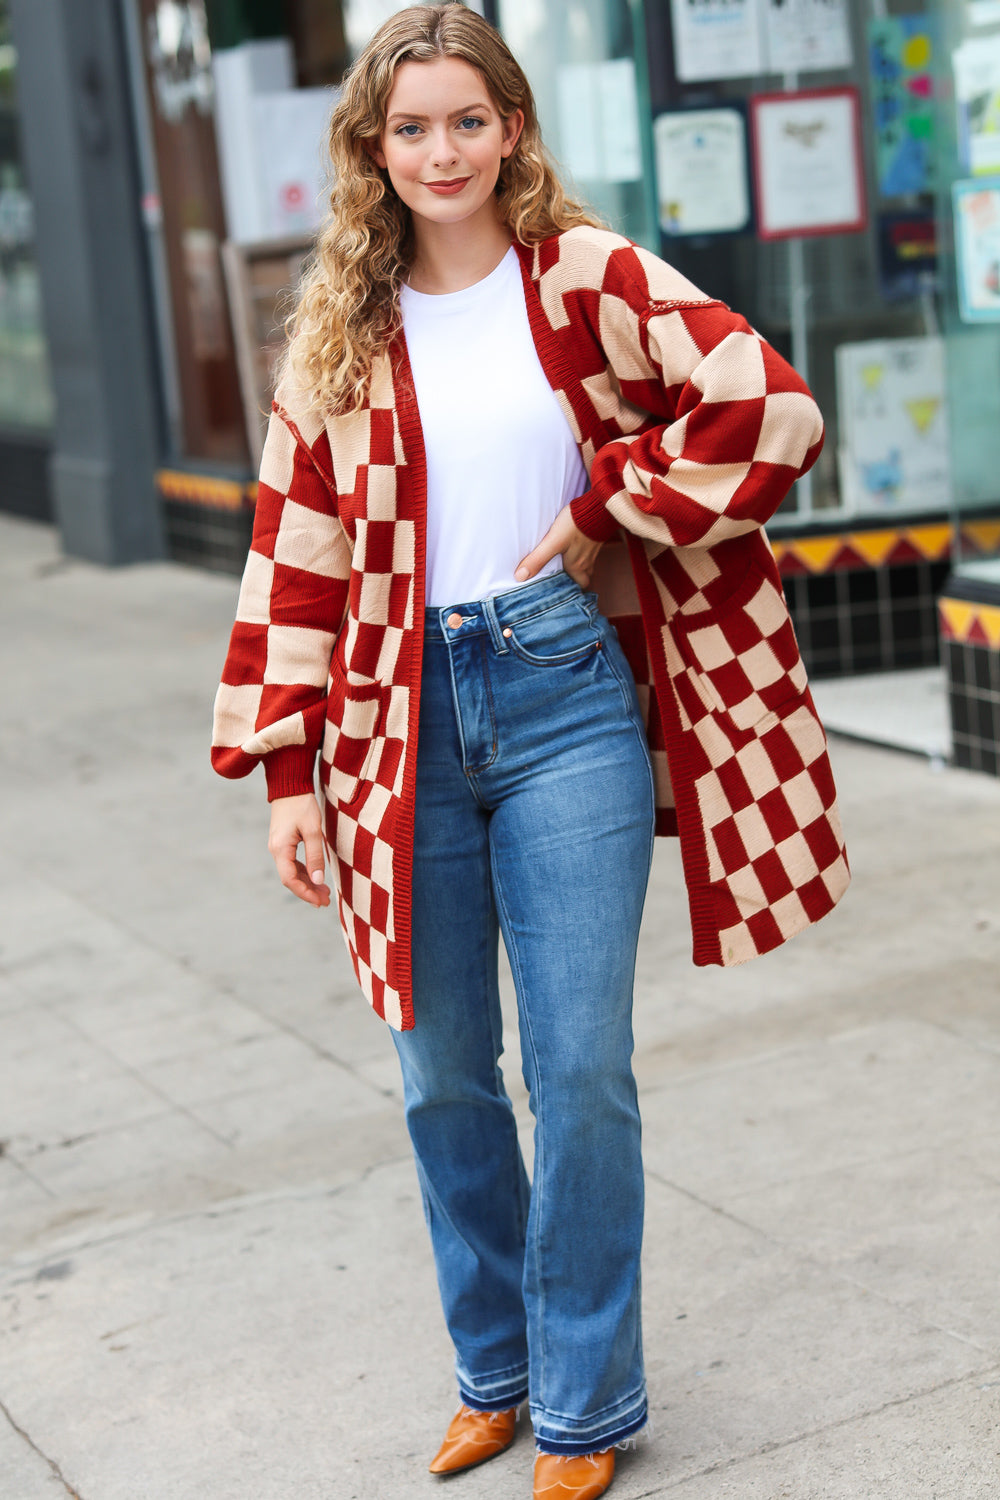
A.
pixel 534 817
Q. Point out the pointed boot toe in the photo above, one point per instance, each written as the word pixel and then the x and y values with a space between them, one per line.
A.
pixel 582 1477
pixel 474 1437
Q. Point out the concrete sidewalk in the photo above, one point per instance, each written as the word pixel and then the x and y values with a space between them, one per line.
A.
pixel 215 1282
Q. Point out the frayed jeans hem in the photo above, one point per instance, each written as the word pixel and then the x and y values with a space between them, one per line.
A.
pixel 595 1439
pixel 497 1394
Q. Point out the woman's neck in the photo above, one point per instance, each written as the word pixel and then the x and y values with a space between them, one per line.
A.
pixel 451 257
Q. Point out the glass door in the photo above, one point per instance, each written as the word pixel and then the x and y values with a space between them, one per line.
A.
pixel 586 62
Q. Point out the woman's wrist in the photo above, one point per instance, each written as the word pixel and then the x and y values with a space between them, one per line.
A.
pixel 290 772
pixel 592 517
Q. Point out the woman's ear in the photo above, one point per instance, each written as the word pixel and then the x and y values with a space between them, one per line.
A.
pixel 512 127
pixel 376 153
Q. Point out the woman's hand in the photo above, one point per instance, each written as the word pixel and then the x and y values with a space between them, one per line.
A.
pixel 295 821
pixel 579 552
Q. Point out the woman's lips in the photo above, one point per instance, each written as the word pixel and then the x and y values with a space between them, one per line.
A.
pixel 445 189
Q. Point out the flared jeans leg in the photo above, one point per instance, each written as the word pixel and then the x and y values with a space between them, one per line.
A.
pixel 459 1116
pixel 534 817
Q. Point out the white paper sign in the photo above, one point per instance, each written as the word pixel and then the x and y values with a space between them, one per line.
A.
pixel 806 34
pixel 983 12
pixel 717 38
pixel 740 38
pixel 599 121
pixel 701 175
pixel 893 416
pixel 579 137
pixel 620 120
pixel 291 129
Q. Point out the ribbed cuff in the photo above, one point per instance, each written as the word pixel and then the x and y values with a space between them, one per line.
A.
pixel 591 516
pixel 290 771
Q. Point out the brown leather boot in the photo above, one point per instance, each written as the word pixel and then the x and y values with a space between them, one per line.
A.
pixel 582 1477
pixel 473 1437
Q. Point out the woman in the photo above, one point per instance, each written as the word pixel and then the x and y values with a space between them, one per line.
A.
pixel 488 401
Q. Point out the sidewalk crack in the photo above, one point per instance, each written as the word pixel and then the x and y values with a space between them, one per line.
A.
pixel 777 1445
pixel 811 1257
pixel 53 1466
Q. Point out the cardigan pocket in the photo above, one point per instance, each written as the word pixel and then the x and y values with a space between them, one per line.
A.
pixel 354 710
pixel 742 659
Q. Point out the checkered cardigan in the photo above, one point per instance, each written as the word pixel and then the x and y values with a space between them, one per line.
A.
pixel 692 430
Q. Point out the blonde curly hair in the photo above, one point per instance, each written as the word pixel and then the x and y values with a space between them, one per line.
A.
pixel 348 303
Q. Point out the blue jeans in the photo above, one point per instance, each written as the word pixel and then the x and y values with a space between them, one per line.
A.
pixel 534 817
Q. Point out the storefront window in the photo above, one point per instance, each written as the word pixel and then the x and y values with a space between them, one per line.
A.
pixel 25 391
pixel 969 608
pixel 970 202
pixel 796 158
pixel 798 161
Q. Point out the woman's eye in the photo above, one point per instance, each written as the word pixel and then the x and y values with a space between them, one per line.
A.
pixel 409 131
pixel 470 121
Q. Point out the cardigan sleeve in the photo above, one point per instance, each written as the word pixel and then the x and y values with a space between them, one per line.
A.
pixel 739 425
pixel 271 703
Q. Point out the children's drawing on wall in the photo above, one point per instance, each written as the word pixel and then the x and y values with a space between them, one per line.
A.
pixel 893 452
pixel 902 55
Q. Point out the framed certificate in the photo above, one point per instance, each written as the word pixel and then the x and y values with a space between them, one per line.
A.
pixel 808 168
pixel 977 248
pixel 702 171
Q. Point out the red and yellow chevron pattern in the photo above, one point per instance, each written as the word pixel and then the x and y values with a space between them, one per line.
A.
pixel 928 542
pixel 970 623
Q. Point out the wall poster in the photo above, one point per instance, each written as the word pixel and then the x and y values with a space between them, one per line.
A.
pixel 807 163
pixel 976 64
pixel 894 450
pixel 977 248
pixel 901 51
pixel 702 177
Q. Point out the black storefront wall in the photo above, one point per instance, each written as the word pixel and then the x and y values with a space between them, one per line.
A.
pixel 78 143
pixel 24 467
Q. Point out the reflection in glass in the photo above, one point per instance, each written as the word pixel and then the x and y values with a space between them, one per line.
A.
pixel 585 60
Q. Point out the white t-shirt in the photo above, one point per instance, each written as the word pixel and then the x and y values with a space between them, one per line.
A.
pixel 501 460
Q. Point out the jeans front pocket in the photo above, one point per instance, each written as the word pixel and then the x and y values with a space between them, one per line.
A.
pixel 558 636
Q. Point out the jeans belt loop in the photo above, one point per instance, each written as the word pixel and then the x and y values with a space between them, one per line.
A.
pixel 493 626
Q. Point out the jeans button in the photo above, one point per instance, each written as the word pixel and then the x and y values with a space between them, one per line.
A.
pixel 454 621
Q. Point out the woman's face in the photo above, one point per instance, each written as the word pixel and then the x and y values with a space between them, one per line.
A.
pixel 443 142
